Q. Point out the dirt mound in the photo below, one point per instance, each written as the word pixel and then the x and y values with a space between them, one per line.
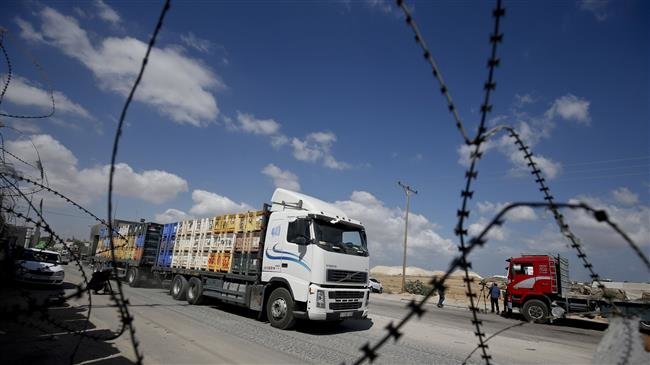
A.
pixel 416 271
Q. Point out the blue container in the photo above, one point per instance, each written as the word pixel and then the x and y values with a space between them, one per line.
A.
pixel 166 230
pixel 139 240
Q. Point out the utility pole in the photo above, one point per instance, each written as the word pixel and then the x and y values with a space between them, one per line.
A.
pixel 408 191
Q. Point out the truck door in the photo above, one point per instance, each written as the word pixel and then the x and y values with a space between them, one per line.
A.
pixel 523 278
pixel 295 261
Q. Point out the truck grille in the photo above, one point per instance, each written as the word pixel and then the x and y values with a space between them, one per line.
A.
pixel 345 294
pixel 344 276
pixel 345 305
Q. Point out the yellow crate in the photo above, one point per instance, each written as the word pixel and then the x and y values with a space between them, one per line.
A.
pixel 224 261
pixel 212 261
pixel 249 221
pixel 225 223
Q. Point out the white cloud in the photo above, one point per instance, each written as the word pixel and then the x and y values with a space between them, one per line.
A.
pixel 596 7
pixel 516 215
pixel 171 215
pixel 27 31
pixel 248 123
pixel 201 45
pixel 317 147
pixel 522 100
pixel 24 93
pixel 178 86
pixel 465 151
pixel 634 220
pixel 570 107
pixel 551 169
pixel 210 204
pixel 625 196
pixel 282 178
pixel 496 233
pixel 385 230
pixel 90 184
pixel 279 141
pixel 532 130
pixel 107 13
pixel 384 6
pixel 25 126
pixel 154 186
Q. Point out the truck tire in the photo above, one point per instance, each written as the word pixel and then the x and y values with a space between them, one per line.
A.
pixel 133 277
pixel 534 310
pixel 179 287
pixel 279 309
pixel 195 291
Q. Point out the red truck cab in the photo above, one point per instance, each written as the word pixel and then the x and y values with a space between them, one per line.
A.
pixel 534 282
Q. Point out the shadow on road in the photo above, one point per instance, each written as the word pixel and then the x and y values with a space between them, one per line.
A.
pixel 31 338
pixel 568 323
pixel 333 328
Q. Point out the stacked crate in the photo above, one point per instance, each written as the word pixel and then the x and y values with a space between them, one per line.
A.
pixel 181 247
pixel 202 241
pixel 247 243
pixel 225 243
pixel 224 231
pixel 125 243
pixel 165 250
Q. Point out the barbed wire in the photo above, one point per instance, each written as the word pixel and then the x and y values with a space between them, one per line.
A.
pixel 67 200
pixel 126 318
pixel 79 289
pixel 416 308
pixel 8 62
pixel 5 87
pixel 121 303
pixel 462 262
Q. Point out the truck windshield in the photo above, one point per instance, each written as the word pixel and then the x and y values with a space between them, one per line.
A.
pixel 340 237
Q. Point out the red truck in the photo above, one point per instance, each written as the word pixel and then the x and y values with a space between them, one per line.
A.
pixel 539 286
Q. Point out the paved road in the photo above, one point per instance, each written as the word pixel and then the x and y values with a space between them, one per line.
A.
pixel 171 331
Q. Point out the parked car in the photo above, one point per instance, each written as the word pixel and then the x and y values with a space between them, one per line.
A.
pixel 39 266
pixel 375 286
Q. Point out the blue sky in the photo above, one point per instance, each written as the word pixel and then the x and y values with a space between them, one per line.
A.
pixel 335 99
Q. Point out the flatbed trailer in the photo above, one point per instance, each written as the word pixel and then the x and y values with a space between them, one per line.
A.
pixel 136 249
pixel 194 284
pixel 311 262
pixel 539 286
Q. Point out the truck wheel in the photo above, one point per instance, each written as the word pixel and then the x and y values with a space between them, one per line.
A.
pixel 195 291
pixel 279 309
pixel 133 277
pixel 536 311
pixel 179 287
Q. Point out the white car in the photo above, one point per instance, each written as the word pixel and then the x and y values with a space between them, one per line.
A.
pixel 375 286
pixel 39 266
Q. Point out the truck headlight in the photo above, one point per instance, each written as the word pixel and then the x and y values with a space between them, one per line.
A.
pixel 320 299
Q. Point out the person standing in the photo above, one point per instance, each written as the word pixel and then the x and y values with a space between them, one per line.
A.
pixel 495 293
pixel 441 294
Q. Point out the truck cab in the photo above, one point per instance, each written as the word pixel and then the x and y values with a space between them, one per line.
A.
pixel 535 282
pixel 320 255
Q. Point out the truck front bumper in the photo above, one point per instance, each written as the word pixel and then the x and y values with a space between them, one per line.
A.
pixel 333 304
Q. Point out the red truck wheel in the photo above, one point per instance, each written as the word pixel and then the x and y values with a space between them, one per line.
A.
pixel 534 310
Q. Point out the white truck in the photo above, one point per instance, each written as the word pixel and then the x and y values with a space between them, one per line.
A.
pixel 312 263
